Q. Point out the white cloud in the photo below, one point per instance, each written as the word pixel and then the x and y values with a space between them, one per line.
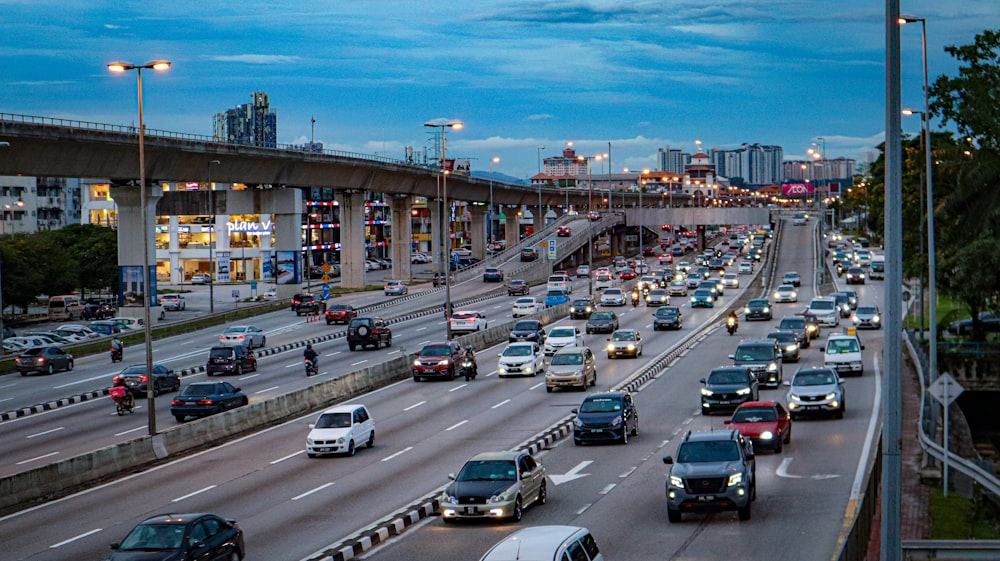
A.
pixel 257 59
pixel 538 117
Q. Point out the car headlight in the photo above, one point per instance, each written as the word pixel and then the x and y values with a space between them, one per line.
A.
pixel 831 395
pixel 876 319
pixel 746 310
pixel 766 435
pixel 743 391
pixel 855 319
pixel 735 479
pixel 588 308
pixel 676 481
pixel 572 310
pixel 707 392
pixel 777 295
pixel 630 347
pixel 616 421
pixel 767 310
pixel 772 367
pixel 793 397
pixel 577 423
pixel 443 362
pixel 791 348
pixel 416 363
pixel 693 299
pixel 611 347
pixel 340 440
pixel 499 498
pixel 449 499
pixel 528 369
pixel 709 299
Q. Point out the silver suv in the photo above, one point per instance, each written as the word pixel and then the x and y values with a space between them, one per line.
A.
pixel 571 367
pixel 713 470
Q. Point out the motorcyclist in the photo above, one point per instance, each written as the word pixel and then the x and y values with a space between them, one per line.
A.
pixel 117 349
pixel 635 297
pixel 470 355
pixel 311 355
pixel 732 321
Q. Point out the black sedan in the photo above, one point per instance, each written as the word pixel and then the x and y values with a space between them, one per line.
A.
pixel 206 398
pixel 177 537
pixel 527 330
pixel 602 322
pixel 667 317
pixel 134 378
pixel 758 308
pixel 581 308
pixel 44 360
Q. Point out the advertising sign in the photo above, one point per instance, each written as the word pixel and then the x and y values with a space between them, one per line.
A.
pixel 267 270
pixel 251 228
pixel 287 271
pixel 796 189
pixel 131 287
pixel 222 266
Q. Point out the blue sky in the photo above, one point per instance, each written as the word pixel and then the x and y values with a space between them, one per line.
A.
pixel 520 74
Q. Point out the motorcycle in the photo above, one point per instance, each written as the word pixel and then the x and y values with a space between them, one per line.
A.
pixel 312 367
pixel 469 366
pixel 123 399
pixel 635 298
pixel 116 355
pixel 732 325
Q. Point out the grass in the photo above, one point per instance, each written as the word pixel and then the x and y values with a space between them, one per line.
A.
pixel 948 310
pixel 956 518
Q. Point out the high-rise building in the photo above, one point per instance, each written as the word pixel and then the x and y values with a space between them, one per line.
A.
pixel 250 124
pixel 751 165
pixel 672 160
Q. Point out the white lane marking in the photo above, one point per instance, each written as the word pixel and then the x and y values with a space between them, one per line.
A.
pixel 458 387
pixel 189 495
pixel 74 538
pixel 782 471
pixel 420 329
pixel 283 458
pixel 584 508
pixel 628 472
pixel 294 364
pixel 415 405
pixel 560 478
pixel 359 362
pixel 6 399
pixel 393 352
pixel 400 453
pixel 138 428
pixel 538 385
pixel 8 386
pixel 688 421
pixel 45 432
pixel 254 375
pixel 28 461
pixel 676 431
pixel 78 382
pixel 607 488
pixel 266 390
pixel 456 425
pixel 333 354
pixel 873 422
pixel 491 373
pixel 504 402
pixel 307 493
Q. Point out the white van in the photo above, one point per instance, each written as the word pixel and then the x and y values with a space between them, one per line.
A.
pixel 843 353
pixel 65 307
pixel 546 543
pixel 341 430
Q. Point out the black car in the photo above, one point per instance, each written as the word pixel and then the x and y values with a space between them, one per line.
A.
pixel 176 537
pixel 798 326
pixel 97 311
pixel 667 317
pixel 307 304
pixel 463 263
pixel 757 308
pixel 44 360
pixel 134 379
pixel 517 287
pixel 727 387
pixel 855 275
pixel 789 342
pixel 605 416
pixel 206 398
pixel 581 308
pixel 368 331
pixel 527 330
pixel 843 304
pixel 602 322
pixel 989 320
pixel 529 254
pixel 230 360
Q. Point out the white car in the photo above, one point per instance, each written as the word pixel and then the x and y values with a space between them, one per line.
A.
pixel 75 332
pixel 604 281
pixel 246 335
pixel 792 278
pixel 173 302
pixel 843 354
pixel 341 430
pixel 30 341
pixel 467 321
pixel 128 323
pixel 559 282
pixel 677 288
pixel 613 297
pixel 648 282
pixel 745 268
pixel 561 337
pixel 525 306
pixel 693 280
pixel 730 280
pixel 786 293
pixel 523 358
pixel 395 288
pixel 825 310
pixel 583 271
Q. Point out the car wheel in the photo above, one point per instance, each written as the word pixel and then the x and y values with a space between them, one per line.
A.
pixel 263 342
pixel 635 429
pixel 788 436
pixel 378 344
pixel 180 418
pixel 547 388
pixel 418 379
pixel 351 450
pixel 673 515
pixel 388 342
pixel 177 384
pixel 234 556
pixel 69 366
pixel 371 440
pixel 543 494
pixel 351 347
pixel 518 511
pixel 51 370
pixel 839 414
pixel 778 446
pixel 239 369
pixel 744 513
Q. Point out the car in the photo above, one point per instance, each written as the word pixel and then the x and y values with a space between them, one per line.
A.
pixel 27 341
pixel 105 327
pixel 523 358
pixel 135 379
pixel 792 278
pixel 75 332
pixel 692 280
pixel 727 387
pixel 763 357
pixel 559 282
pixel 789 343
pixel 798 326
pixel 713 470
pixel 843 304
pixel 625 342
pixel 98 310
pixel 368 331
pixel 867 316
pixel 582 271
pixel 341 430
pixel 492 274
pixel 657 297
pixel 812 323
pixel 527 330
pixel 581 308
pixel 230 360
pixel 305 303
pixel 517 287
pixel 816 390
pixel 529 254
pixel 340 313
pixel 54 338
pixel 843 353
pixel 602 322
pixel 563 231
pixel 246 335
pixel 603 281
pixel 613 297
pixel 128 324
pixel 181 537
pixel 468 321
pixel 730 280
pixel 439 360
pixel 556 298
pixel 667 317
pixel 677 288
pixel 854 275
pixel 525 306
pixel 561 337
pixel 47 359
pixel 705 272
pixel 627 273
pixel 712 286
pixel 494 485
pixel 702 298
pixel 174 302
pixel 395 288
pixel 766 423
pixel 745 268
pixel 605 417
pixel 593 215
pixel 989 320
pixel 419 258
pixel 647 282
pixel 757 308
pixel 463 263
pixel 201 399
pixel 665 258
pixel 571 367
pixel 826 311
pixel 785 293
pixel 546 542
pixel 201 278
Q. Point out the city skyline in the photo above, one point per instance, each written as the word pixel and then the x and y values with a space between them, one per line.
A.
pixel 521 75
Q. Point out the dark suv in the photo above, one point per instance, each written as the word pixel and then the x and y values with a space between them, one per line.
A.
pixel 763 358
pixel 605 416
pixel 368 331
pixel 713 470
pixel 305 303
pixel 230 360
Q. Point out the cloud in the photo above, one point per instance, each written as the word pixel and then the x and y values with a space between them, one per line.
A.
pixel 538 117
pixel 111 26
pixel 256 59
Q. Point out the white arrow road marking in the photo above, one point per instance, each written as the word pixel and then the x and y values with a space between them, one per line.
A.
pixel 572 474
pixel 782 471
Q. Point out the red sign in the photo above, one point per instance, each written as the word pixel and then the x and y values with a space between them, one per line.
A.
pixel 796 189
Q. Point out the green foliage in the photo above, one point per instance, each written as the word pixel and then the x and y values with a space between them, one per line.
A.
pixel 970 99
pixel 956 518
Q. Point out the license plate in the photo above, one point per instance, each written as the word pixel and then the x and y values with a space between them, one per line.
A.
pixel 470 510
pixel 325 449
pixel 725 402
pixel 812 407
pixel 706 498
pixel 619 352
pixel 596 430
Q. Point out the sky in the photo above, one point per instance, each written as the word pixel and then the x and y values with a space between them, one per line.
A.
pixel 520 74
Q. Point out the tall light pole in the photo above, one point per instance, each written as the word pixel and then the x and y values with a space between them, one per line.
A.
pixel 493 160
pixel 159 65
pixel 211 241
pixel 2 145
pixel 642 184
pixel 445 124
pixel 538 221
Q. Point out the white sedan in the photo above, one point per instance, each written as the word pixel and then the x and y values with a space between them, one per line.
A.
pixel 523 358
pixel 730 280
pixel 786 293
pixel 560 337
pixel 525 306
pixel 466 321
pixel 246 335
pixel 613 297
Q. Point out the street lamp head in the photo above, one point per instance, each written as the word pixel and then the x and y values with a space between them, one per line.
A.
pixel 905 19
pixel 910 112
pixel 445 123
pixel 123 66
pixel 496 159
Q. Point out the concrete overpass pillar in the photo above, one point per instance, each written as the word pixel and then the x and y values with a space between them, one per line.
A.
pixel 352 240
pixel 538 218
pixel 173 246
pixel 512 227
pixel 130 247
pixel 477 231
pixel 402 236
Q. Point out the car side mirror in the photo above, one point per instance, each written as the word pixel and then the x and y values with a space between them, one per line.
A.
pixel 702 381
pixel 312 425
pixel 115 545
pixel 862 347
pixel 238 389
pixel 451 476
pixel 669 460
pixel 732 357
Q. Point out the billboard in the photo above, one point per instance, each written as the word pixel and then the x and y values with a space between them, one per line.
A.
pixel 796 189
pixel 287 268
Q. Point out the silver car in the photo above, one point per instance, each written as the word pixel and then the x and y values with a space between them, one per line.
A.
pixel 816 391
pixel 523 358
pixel 868 317
pixel 246 335
pixel 572 367
pixel 786 293
pixel 625 342
pixel 495 485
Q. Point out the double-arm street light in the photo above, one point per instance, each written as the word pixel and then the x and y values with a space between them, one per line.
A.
pixel 444 125
pixel 642 184
pixel 143 202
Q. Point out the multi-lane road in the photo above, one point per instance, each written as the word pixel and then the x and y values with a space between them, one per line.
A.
pixel 292 506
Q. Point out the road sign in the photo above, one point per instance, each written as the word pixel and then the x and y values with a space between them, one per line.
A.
pixel 326 291
pixel 552 250
pixel 945 389
pixel 326 279
pixel 236 293
pixel 326 268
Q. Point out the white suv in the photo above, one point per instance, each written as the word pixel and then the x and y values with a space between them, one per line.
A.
pixel 826 311
pixel 559 282
pixel 340 430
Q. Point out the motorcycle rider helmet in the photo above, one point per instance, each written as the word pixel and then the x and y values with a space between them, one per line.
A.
pixel 468 347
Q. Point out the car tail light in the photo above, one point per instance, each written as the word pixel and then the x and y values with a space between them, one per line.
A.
pixel 206 402
pixel 116 380
pixel 176 402
pixel 40 360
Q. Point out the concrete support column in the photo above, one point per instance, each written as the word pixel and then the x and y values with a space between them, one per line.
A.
pixel 478 231
pixel 174 248
pixel 352 240
pixel 538 220
pixel 402 237
pixel 130 245
pixel 512 227
pixel 617 244
pixel 436 233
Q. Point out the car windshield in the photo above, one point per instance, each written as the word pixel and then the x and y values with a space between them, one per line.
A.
pixel 556 294
pixel 666 312
pixel 702 293
pixel 783 336
pixel 134 370
pixel 488 470
pixel 613 292
pixel 709 451
pixel 333 421
pixel 818 378
pixel 727 377
pixel 842 346
pixel 152 537
pixel 581 303
pixel 823 305
pixel 526 326
pixel 786 288
pixel 518 350
pixel 865 310
pixel 567 359
pixel 754 415
pixel 340 308
pixel 790 323
pixel 757 304
pixel 754 352
pixel 601 405
pixel 200 389
pixel 235 330
pixel 600 316
pixel 562 332
pixel 464 316
pixel 436 350
pixel 623 336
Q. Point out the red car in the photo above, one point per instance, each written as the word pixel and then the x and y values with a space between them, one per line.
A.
pixel 439 360
pixel 340 313
pixel 563 231
pixel 766 423
pixel 627 274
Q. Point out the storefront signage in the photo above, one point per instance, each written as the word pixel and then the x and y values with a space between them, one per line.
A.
pixel 252 228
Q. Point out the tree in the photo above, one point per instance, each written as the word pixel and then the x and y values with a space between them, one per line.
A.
pixel 970 99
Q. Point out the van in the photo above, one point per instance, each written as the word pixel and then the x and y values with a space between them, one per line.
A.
pixel 843 353
pixel 877 270
pixel 65 307
pixel 545 543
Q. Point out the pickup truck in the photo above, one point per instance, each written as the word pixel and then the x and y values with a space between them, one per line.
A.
pixel 712 471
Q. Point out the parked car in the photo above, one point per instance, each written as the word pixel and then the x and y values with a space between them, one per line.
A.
pixel 43 360
pixel 517 287
pixel 340 313
pixel 766 423
pixel 245 335
pixel 340 430
pixel 75 332
pixel 494 485
pixel 105 327
pixel 173 302
pixel 605 417
pixel 439 360
pixel 230 360
pixel 206 398
pixel 368 331
pixel 135 379
pixel 181 536
pixel 201 278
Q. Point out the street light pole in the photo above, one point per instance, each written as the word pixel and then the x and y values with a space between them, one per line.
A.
pixel 144 203
pixel 590 229
pixel 445 124
pixel 211 241
pixel 642 184
pixel 538 221
pixel 493 160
